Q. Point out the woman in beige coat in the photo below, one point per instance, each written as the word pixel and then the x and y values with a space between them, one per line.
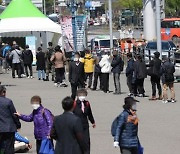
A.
pixel 59 60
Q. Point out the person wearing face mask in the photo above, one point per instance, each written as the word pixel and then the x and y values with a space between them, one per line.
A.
pixel 126 136
pixel 84 112
pixel 76 75
pixel 42 119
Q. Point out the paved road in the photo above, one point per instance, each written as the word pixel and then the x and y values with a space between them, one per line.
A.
pixel 158 127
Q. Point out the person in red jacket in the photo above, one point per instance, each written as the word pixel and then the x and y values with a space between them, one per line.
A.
pixel 84 112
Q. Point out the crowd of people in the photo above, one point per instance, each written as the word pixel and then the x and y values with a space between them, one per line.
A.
pixel 84 70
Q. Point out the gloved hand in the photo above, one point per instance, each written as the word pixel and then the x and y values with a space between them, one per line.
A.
pixel 116 144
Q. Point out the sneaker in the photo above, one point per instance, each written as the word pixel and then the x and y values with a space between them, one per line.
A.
pixel 28 77
pixel 131 95
pixel 173 101
pixel 165 101
pixel 23 75
pixel 56 84
pixel 31 77
pixel 140 95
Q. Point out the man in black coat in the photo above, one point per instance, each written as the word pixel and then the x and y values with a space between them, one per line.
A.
pixel 84 112
pixel 140 73
pixel 67 130
pixel 9 123
pixel 168 70
pixel 155 73
pixel 129 74
pixel 116 70
pixel 27 57
pixel 76 75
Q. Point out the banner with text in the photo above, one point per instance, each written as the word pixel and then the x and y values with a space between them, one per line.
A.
pixel 80 23
pixel 66 24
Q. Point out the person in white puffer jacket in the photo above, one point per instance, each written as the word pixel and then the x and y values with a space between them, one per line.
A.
pixel 105 64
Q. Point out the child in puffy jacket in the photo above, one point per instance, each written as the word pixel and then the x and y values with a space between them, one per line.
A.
pixel 21 143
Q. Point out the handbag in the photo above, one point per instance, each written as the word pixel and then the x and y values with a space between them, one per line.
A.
pixel 46 147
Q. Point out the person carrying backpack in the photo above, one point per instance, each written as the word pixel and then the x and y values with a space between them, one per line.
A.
pixel 42 118
pixel 117 67
pixel 168 70
pixel 126 131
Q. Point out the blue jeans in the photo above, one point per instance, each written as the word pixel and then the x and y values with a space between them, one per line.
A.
pixel 41 74
pixel 117 82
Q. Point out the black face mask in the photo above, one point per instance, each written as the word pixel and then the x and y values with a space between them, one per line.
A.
pixel 114 55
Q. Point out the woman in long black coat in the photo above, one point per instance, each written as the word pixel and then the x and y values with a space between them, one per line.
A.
pixel 40 57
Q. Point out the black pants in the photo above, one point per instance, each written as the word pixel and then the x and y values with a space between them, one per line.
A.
pixel 155 80
pixel 16 66
pixel 129 150
pixel 22 67
pixel 96 76
pixel 90 76
pixel 74 87
pixel 7 142
pixel 30 69
pixel 59 75
pixel 130 84
pixel 105 82
pixel 87 139
pixel 140 86
pixel 38 145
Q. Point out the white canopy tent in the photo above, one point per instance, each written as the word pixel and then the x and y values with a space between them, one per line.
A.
pixel 22 18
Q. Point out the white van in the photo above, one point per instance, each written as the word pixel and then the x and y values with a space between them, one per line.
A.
pixel 103 43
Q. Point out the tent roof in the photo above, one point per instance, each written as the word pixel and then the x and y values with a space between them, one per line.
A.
pixel 21 8
pixel 23 16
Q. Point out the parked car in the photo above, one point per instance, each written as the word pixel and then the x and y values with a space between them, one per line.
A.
pixel 177 66
pixel 168 49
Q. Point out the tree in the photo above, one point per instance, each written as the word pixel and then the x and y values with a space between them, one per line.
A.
pixel 172 8
pixel 135 5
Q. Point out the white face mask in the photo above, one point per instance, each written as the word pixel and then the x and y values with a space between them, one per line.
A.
pixel 82 98
pixel 35 106
pixel 76 59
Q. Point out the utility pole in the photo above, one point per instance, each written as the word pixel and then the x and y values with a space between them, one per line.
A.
pixel 44 6
pixel 54 6
pixel 149 19
pixel 110 26
pixel 158 27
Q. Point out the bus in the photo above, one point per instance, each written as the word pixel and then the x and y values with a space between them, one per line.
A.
pixel 170 29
